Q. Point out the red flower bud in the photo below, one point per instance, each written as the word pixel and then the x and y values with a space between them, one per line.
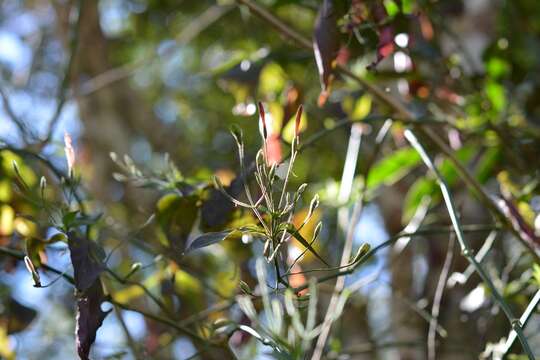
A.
pixel 262 116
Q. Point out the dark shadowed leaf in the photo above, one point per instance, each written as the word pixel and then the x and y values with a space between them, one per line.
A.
pixel 217 209
pixel 326 46
pixel 385 46
pixel 89 318
pixel 86 258
pixel 176 216
pixel 206 240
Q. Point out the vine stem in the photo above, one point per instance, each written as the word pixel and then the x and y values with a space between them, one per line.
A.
pixel 465 248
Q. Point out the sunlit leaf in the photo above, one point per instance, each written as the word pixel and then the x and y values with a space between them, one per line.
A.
pixel 288 130
pixel 6 350
pixel 272 79
pixel 362 107
pixel 7 217
pixel 496 95
pixel 393 167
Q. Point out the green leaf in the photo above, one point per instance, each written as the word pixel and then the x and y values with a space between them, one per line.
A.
pixel 496 95
pixel 176 215
pixel 69 218
pixel 428 187
pixel 393 167
pixel 489 160
pixel 420 188
pixel 206 240
pixel 272 79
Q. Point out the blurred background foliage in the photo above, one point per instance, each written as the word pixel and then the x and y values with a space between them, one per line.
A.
pixel 147 91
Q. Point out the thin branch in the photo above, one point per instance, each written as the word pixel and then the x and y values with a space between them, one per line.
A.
pixel 465 248
pixel 348 173
pixel 435 309
pixel 171 323
pixel 190 32
pixel 19 123
pixel 64 85
pixel 523 321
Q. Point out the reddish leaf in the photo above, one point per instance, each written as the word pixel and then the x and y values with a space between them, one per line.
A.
pixel 86 258
pixel 386 35
pixel 89 318
pixel 326 46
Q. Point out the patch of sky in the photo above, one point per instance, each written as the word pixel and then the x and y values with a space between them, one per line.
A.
pixel 113 17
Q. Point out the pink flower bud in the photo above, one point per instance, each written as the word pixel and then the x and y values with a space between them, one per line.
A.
pixel 70 152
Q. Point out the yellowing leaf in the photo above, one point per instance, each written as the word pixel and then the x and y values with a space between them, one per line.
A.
pixel 7 158
pixel 5 190
pixel 288 130
pixel 307 231
pixel 272 79
pixel 189 288
pixel 5 347
pixel 7 215
pixel 276 111
pixel 362 107
pixel 129 293
pixel 25 227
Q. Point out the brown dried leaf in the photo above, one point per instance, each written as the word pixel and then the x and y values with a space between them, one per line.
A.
pixel 89 318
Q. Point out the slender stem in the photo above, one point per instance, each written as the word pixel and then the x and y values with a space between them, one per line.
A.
pixel 180 327
pixel 465 248
pixel 130 341
pixel 435 309
pixel 61 96
pixel 19 123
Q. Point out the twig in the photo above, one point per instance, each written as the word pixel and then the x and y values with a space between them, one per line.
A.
pixel 465 249
pixel 523 321
pixel 63 88
pixel 19 123
pixel 129 338
pixel 345 259
pixel 181 329
pixel 435 309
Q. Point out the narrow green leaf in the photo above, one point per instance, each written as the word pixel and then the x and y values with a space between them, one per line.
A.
pixel 206 240
pixel 306 244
